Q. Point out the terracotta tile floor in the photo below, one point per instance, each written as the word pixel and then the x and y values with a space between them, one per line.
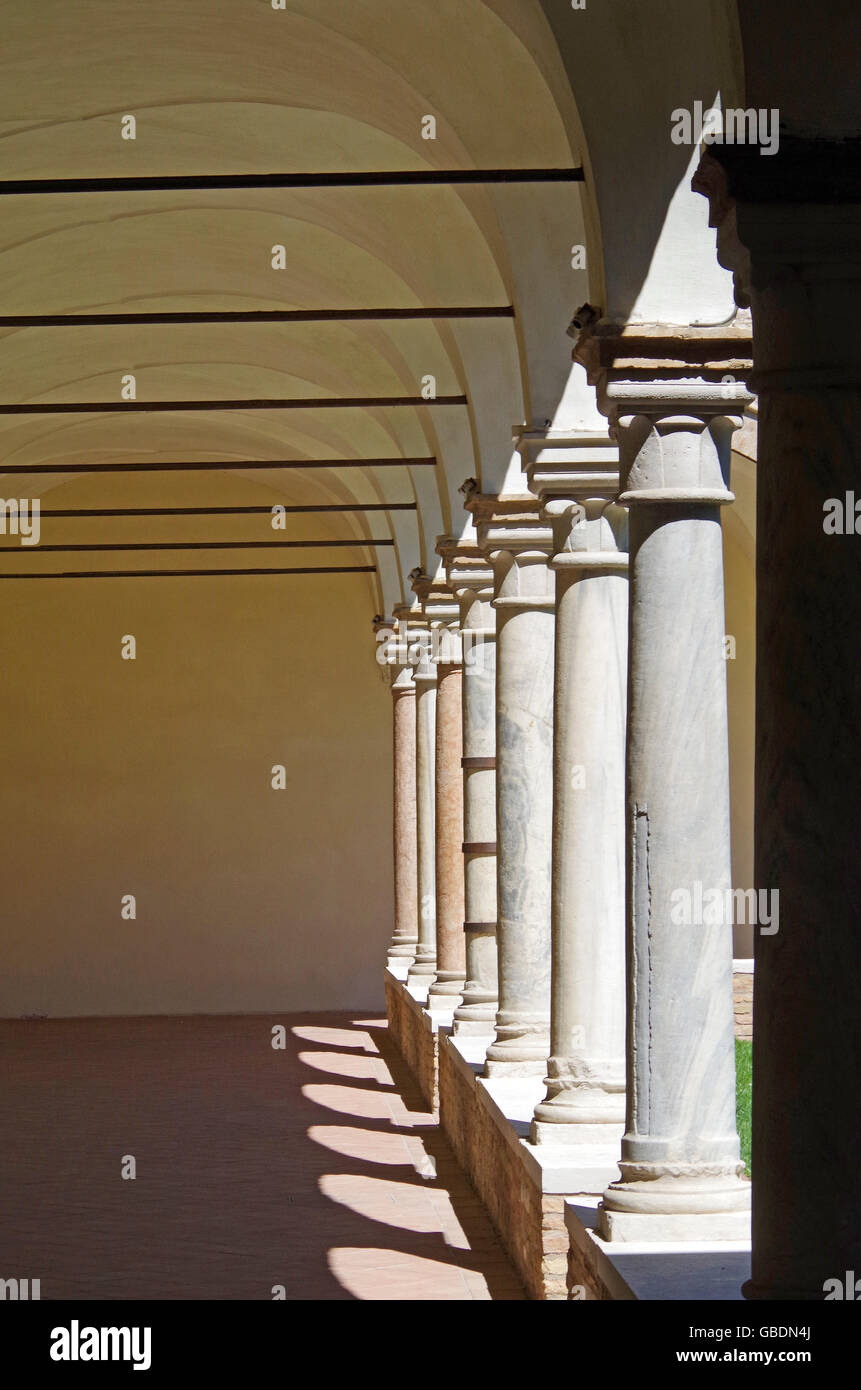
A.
pixel 315 1167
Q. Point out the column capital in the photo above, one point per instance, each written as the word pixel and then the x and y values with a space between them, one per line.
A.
pixel 433 595
pixel 660 369
pixel 398 645
pixel 576 479
pixel 570 465
pixel 518 541
pixel 512 524
pixel 466 564
pixel 673 397
pixel 469 575
pixel 392 636
pixel 441 614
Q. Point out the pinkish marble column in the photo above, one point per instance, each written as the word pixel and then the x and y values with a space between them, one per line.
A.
pixel 446 990
pixel 424 964
pixel 405 939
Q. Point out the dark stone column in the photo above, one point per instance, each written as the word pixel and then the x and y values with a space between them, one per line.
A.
pixel 796 250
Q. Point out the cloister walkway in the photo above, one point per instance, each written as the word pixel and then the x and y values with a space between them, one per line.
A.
pixel 314 1167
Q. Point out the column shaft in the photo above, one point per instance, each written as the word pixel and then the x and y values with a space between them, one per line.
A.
pixel 680 1168
pixel 477 1012
pixel 585 1099
pixel 524 809
pixel 446 989
pixel 424 965
pixel 405 937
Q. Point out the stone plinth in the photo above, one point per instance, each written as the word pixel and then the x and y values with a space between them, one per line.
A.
pixel 668 1271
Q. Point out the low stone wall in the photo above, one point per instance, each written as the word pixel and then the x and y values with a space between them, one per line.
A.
pixel 591 1279
pixel 541 1199
pixel 664 1271
pixel 742 998
pixel 414 1036
pixel 530 1223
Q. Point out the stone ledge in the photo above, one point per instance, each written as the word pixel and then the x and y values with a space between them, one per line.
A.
pixel 522 1185
pixel 657 1270
pixel 414 1031
pixel 543 1199
pixel 563 1168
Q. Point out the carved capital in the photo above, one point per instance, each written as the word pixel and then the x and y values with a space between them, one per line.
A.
pixel 674 396
pixel 576 479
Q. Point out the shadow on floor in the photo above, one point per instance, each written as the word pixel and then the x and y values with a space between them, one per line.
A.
pixel 314 1167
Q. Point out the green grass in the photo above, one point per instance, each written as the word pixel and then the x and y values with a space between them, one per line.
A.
pixel 743 1061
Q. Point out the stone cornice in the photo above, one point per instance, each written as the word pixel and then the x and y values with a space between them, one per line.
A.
pixel 484 505
pixel 392 636
pixel 657 350
pixel 660 370
pixel 409 617
pixel 441 611
pixel 576 477
pixel 514 524
pixel 573 466
pixel 434 595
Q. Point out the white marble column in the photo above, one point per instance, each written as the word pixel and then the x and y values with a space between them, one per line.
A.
pixel 519 544
pixel 471 578
pixel 577 480
pixel 681 1174
pixel 423 967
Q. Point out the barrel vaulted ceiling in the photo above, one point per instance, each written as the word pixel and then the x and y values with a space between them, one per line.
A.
pixel 237 87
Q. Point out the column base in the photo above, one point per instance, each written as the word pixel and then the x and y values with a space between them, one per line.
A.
pixel 655 1226
pixel 521 1046
pixel 517 1057
pixel 581 1097
pixel 446 991
pixel 574 1133
pixel 478 1027
pixel 422 969
pixel 511 1066
pixel 403 950
pixel 674 1204
pixel 476 1012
